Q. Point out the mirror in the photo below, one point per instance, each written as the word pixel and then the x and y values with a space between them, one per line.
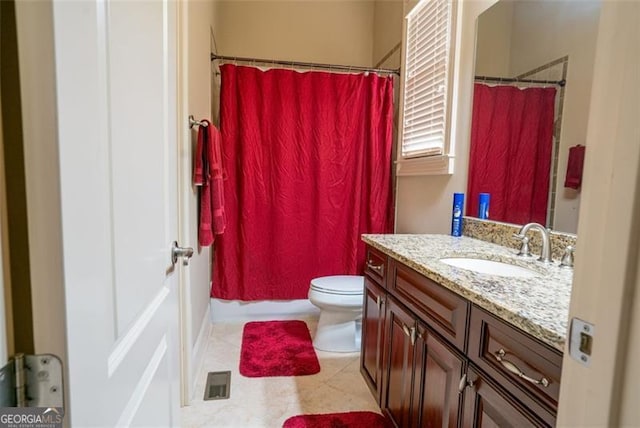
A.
pixel 522 130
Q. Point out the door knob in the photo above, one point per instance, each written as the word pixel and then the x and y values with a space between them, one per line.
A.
pixel 184 252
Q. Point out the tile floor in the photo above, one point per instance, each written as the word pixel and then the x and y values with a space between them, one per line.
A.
pixel 269 401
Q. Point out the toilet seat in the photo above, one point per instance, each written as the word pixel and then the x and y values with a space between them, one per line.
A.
pixel 342 285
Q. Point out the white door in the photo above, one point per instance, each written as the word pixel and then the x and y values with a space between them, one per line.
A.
pixel 116 90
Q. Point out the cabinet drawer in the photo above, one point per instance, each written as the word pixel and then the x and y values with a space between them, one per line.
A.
pixel 443 310
pixel 505 353
pixel 487 404
pixel 376 265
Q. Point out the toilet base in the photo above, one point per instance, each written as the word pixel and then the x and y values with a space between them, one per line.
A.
pixel 338 331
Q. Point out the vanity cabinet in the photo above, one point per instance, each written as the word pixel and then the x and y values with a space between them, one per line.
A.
pixel 373 335
pixel 443 310
pixel 399 365
pixel 489 406
pixel 422 373
pixel 431 358
pixel 376 267
pixel 527 368
pixel 438 370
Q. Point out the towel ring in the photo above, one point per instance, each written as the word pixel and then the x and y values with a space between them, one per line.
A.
pixel 193 122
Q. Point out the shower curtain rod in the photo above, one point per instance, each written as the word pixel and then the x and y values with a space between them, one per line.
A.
pixel 306 64
pixel 516 80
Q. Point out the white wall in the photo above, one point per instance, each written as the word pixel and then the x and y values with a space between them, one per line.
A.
pixel 388 17
pixel 337 32
pixel 543 31
pixel 200 83
pixel 493 44
pixel 197 85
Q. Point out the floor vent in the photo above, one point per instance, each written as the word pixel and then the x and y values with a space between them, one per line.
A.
pixel 218 385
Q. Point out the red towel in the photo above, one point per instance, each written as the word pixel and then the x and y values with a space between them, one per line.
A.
pixel 217 180
pixel 208 174
pixel 573 179
pixel 201 166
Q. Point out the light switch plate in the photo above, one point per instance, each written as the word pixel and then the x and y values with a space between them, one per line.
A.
pixel 581 341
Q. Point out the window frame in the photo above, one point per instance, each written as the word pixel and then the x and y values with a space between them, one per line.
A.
pixel 442 164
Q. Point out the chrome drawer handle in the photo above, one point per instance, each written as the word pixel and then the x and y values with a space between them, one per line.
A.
pixel 516 371
pixel 376 268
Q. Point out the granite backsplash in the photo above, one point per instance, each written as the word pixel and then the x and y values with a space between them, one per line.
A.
pixel 502 234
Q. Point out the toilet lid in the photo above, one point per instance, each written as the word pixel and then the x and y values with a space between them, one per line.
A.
pixel 339 284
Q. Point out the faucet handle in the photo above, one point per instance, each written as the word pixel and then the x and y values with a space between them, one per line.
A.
pixel 524 248
pixel 567 258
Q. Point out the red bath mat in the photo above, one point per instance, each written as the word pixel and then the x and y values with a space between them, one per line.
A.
pixel 338 420
pixel 277 348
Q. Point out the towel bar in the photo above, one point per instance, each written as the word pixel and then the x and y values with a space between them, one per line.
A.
pixel 193 122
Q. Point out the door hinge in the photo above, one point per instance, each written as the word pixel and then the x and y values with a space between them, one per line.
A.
pixel 32 381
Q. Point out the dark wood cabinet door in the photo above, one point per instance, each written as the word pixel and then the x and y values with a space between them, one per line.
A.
pixel 398 364
pixel 487 406
pixel 439 368
pixel 372 336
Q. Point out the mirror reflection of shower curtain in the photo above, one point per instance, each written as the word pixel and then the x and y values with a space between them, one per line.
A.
pixel 510 157
pixel 307 157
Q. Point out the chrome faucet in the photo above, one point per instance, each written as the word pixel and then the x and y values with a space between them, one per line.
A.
pixel 545 254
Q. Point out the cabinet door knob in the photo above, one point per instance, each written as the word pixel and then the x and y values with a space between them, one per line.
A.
pixel 406 330
pixel 512 368
pixel 464 382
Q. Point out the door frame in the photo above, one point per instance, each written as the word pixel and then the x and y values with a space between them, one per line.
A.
pixel 605 284
pixel 6 326
pixel 184 184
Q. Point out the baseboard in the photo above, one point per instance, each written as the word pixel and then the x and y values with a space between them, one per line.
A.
pixel 237 310
pixel 199 350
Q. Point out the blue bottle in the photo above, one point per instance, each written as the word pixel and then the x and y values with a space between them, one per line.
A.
pixel 483 205
pixel 456 219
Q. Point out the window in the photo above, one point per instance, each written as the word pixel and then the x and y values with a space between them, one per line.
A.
pixel 427 87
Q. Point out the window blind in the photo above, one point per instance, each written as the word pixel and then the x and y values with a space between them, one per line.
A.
pixel 426 78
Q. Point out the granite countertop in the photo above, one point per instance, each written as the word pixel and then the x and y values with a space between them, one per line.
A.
pixel 537 305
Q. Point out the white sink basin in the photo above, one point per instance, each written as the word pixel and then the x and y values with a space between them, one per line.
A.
pixel 490 267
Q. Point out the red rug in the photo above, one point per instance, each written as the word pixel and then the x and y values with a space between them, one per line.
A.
pixel 338 420
pixel 277 348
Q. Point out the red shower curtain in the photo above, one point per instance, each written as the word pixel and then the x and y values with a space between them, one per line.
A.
pixel 511 143
pixel 308 161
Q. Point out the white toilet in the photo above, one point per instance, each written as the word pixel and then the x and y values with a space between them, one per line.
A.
pixel 339 298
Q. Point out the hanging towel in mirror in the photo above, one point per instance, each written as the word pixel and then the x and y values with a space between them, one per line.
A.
pixel 573 179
